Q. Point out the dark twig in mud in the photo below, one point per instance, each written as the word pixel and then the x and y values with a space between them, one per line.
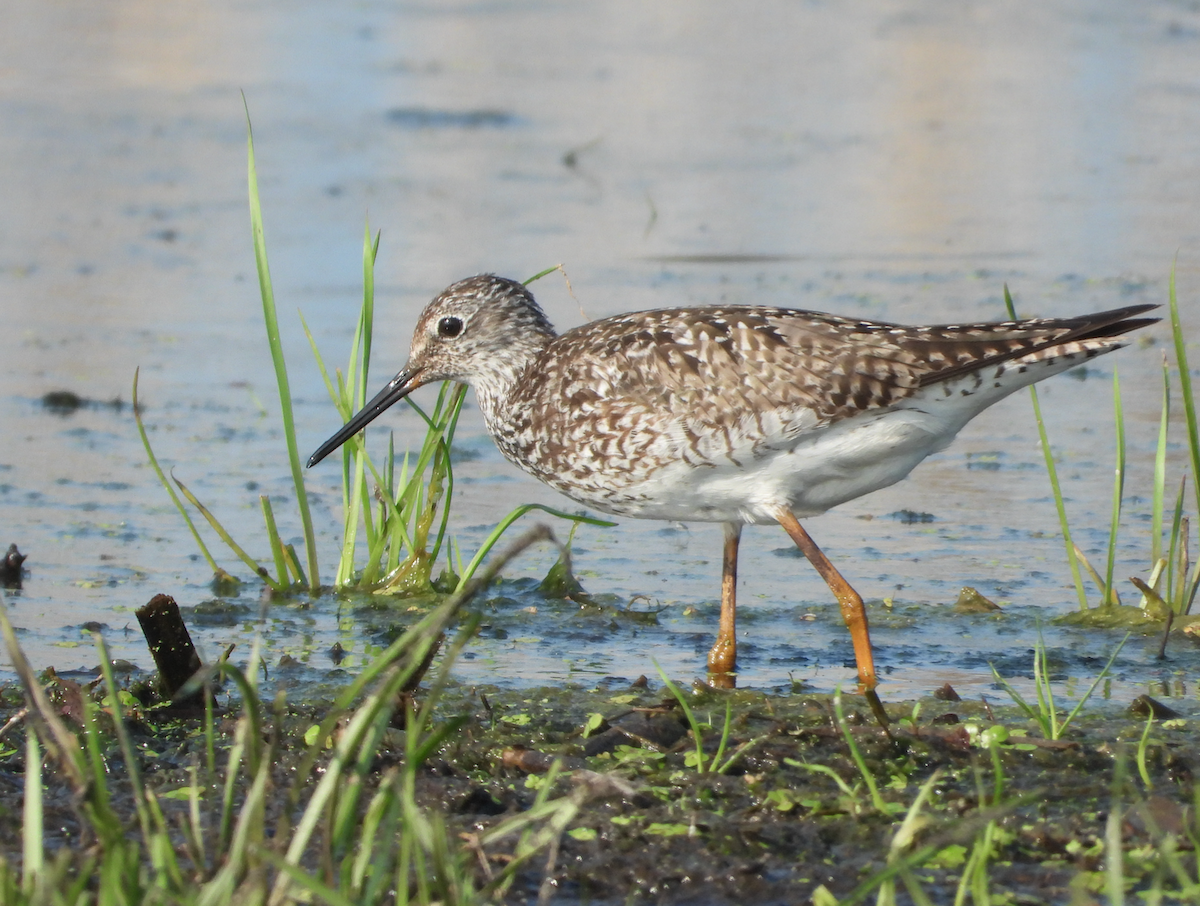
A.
pixel 171 646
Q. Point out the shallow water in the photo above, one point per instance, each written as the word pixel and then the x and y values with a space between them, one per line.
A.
pixel 900 162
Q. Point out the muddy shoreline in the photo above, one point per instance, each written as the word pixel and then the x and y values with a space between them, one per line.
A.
pixel 768 829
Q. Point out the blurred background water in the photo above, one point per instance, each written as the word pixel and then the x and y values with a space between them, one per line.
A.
pixel 900 160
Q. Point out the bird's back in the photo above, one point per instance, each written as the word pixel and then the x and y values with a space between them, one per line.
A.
pixel 713 411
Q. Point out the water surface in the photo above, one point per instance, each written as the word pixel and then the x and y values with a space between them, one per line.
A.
pixel 901 162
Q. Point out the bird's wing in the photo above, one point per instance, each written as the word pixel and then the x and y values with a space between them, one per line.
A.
pixel 725 381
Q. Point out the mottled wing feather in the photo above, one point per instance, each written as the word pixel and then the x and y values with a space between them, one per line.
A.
pixel 700 385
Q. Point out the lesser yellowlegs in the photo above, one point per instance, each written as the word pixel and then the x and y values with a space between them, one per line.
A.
pixel 729 414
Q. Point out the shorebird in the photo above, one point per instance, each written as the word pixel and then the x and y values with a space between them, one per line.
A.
pixel 734 414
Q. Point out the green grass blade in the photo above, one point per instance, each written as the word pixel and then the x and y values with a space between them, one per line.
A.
pixel 508 520
pixel 413 644
pixel 161 848
pixel 193 828
pixel 94 758
pixel 226 537
pixel 1052 472
pixel 863 890
pixel 32 830
pixel 1192 587
pixel 356 732
pixel 273 539
pixel 540 274
pixel 1091 571
pixel 1185 383
pixel 371 866
pixel 226 823
pixel 1059 502
pixel 355 490
pixel 397 531
pixel 1096 682
pixel 919 897
pixel 418 499
pixel 997 776
pixel 740 751
pixel 697 733
pixel 1025 707
pixel 334 395
pixel 137 417
pixel 370 253
pixel 1143 770
pixel 356 496
pixel 447 438
pixel 1041 677
pixel 315 889
pixel 293 562
pixel 123 738
pixel 824 769
pixel 876 799
pixel 246 841
pixel 397 515
pixel 1158 506
pixel 1110 593
pixel 1114 853
pixel 281 378
pixel 912 825
pixel 251 706
pixel 725 728
pixel 1175 546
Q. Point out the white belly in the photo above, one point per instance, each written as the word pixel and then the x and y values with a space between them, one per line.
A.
pixel 809 471
pixel 828 468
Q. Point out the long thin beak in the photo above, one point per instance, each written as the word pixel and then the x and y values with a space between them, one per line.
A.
pixel 397 389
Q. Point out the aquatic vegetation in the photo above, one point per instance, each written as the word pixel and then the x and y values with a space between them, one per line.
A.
pixel 697 759
pixel 406 536
pixel 1173 579
pixel 377 798
pixel 1045 713
pixel 232 842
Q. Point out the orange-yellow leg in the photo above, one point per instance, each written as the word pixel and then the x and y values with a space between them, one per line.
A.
pixel 853 611
pixel 722 659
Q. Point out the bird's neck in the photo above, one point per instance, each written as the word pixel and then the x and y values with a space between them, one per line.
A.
pixel 504 373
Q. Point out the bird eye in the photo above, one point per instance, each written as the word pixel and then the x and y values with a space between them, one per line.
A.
pixel 450 327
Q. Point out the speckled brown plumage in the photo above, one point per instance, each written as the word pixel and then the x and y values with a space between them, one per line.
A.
pixel 732 414
pixel 655 414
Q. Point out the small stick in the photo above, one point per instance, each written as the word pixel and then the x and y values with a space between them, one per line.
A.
pixel 171 646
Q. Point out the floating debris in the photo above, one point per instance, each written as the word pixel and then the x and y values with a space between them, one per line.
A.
pixel 66 402
pixel 11 570
pixel 971 601
pixel 947 693
pixel 1144 705
pixel 911 517
pixel 426 118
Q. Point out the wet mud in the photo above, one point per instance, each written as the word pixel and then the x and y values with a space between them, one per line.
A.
pixel 771 827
